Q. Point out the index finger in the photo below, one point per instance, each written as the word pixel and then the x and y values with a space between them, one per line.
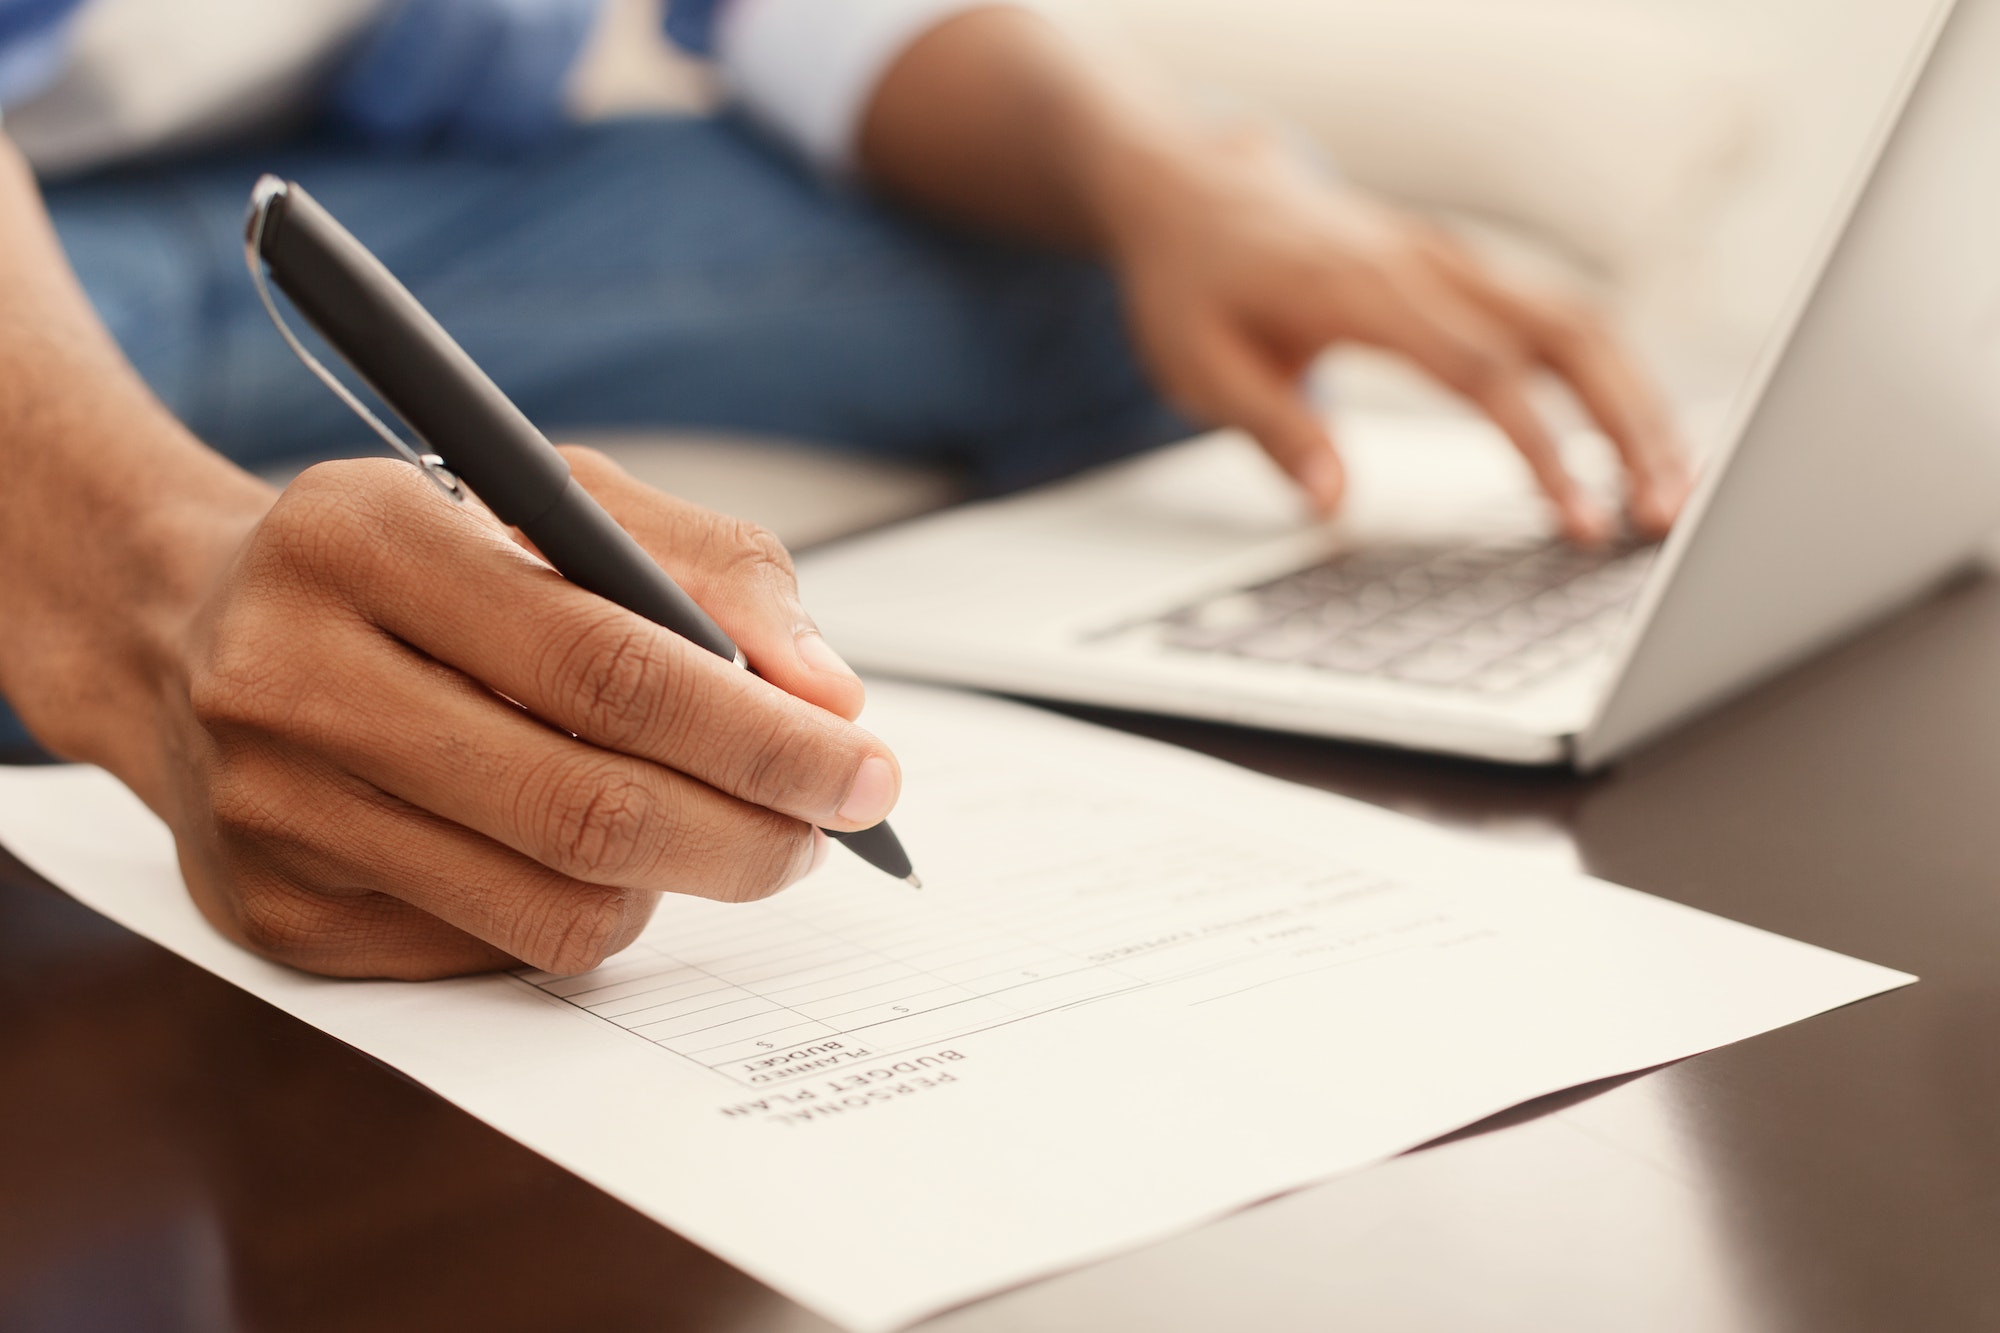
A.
pixel 1577 344
pixel 1484 362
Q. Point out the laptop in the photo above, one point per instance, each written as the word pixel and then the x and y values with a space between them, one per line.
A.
pixel 1860 467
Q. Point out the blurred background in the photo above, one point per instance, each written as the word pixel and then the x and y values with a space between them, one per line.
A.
pixel 1675 158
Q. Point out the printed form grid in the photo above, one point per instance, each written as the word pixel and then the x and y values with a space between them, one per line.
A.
pixel 733 991
pixel 881 973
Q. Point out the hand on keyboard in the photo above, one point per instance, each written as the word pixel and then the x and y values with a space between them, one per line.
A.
pixel 1241 268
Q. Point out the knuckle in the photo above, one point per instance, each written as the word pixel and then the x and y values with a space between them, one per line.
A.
pixel 317 521
pixel 232 689
pixel 244 804
pixel 255 664
pixel 621 679
pixel 598 823
pixel 754 553
pixel 338 517
pixel 1484 367
pixel 279 924
pixel 246 677
pixel 578 932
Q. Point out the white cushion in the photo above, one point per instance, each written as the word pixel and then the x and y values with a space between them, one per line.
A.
pixel 1609 129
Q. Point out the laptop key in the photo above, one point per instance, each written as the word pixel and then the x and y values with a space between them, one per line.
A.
pixel 1212 625
pixel 1449 663
pixel 1288 640
pixel 1491 618
pixel 1354 655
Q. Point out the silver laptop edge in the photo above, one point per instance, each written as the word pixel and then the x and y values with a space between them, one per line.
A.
pixel 1624 721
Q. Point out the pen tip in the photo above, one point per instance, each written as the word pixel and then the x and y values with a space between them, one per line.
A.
pixel 912 880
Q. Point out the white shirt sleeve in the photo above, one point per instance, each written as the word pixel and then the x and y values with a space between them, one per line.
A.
pixel 806 69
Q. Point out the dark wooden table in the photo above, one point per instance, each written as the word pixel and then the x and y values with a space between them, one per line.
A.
pixel 177 1155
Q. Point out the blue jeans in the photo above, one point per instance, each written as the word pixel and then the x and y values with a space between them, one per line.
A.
pixel 647 272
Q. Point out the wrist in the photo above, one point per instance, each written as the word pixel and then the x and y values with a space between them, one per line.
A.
pixel 114 520
pixel 109 580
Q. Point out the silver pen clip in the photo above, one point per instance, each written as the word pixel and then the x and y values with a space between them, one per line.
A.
pixel 267 190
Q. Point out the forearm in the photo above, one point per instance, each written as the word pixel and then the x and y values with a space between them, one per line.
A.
pixel 112 517
pixel 999 119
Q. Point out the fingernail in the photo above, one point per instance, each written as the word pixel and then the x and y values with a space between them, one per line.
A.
pixel 818 654
pixel 872 795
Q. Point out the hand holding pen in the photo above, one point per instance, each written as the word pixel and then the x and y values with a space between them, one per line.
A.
pixel 380 808
pixel 474 432
pixel 408 748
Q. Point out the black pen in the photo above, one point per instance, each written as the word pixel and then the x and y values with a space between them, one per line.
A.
pixel 472 430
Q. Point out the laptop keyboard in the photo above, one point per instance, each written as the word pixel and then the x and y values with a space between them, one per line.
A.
pixel 1489 618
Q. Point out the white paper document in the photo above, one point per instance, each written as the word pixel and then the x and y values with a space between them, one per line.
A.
pixel 1141 989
